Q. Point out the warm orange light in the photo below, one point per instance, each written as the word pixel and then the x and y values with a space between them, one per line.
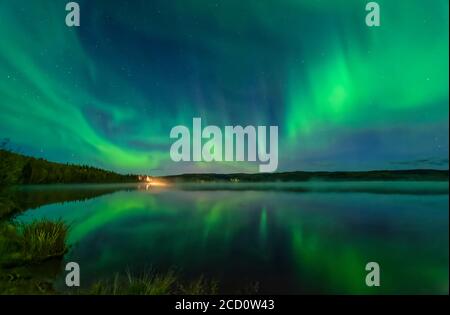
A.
pixel 158 183
pixel 152 182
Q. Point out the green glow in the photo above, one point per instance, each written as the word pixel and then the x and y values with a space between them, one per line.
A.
pixel 108 93
pixel 317 242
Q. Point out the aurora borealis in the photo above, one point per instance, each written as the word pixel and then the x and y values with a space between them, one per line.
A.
pixel 289 242
pixel 345 96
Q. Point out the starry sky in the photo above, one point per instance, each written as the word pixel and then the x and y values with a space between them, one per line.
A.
pixel 345 96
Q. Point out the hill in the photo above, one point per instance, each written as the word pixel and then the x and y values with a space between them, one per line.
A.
pixel 383 175
pixel 18 169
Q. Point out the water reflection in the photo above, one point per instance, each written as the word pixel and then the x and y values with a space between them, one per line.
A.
pixel 290 242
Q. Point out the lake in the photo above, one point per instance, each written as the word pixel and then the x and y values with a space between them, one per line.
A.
pixel 291 238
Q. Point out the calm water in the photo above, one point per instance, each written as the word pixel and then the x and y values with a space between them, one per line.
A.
pixel 291 238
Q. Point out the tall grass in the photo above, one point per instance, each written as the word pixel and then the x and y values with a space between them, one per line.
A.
pixel 150 283
pixel 33 242
pixel 200 286
pixel 147 283
pixel 44 239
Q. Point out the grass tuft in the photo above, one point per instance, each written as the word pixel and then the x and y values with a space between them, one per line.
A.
pixel 150 283
pixel 44 239
pixel 147 283
pixel 200 286
pixel 30 243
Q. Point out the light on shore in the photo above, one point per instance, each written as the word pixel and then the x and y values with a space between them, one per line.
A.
pixel 152 182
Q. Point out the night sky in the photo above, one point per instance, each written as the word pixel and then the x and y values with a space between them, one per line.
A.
pixel 345 96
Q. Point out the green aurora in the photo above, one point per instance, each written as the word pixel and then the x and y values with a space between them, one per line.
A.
pixel 345 96
pixel 288 242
